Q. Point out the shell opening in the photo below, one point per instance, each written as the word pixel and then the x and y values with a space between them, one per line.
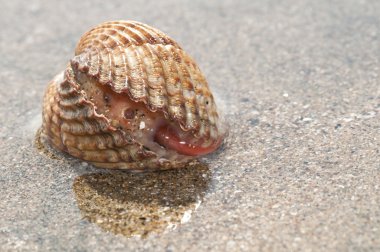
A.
pixel 171 138
pixel 151 129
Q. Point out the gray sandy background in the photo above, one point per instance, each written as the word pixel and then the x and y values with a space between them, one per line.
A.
pixel 299 84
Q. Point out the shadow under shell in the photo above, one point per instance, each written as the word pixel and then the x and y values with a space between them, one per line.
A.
pixel 137 204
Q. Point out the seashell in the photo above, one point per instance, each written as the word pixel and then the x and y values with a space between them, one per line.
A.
pixel 131 98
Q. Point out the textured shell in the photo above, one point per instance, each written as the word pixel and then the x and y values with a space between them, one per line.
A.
pixel 71 124
pixel 146 66
pixel 149 66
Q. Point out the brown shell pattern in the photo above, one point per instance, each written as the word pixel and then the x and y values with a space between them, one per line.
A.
pixel 148 67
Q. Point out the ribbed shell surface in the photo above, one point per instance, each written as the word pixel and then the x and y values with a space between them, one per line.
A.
pixel 148 66
pixel 71 124
pixel 144 66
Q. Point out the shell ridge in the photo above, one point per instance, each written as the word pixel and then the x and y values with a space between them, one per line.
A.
pixel 172 82
pixel 174 59
pixel 110 64
pixel 156 73
pixel 111 72
pixel 103 66
pixel 165 78
pixel 199 84
pixel 140 54
pixel 118 70
pixel 125 67
pixel 146 64
pixel 111 57
pixel 192 114
pixel 165 40
pixel 96 66
pixel 137 88
pixel 133 34
pixel 149 37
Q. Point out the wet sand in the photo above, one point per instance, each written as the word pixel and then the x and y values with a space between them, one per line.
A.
pixel 299 85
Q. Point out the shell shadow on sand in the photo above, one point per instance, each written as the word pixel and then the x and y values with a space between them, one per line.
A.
pixel 137 204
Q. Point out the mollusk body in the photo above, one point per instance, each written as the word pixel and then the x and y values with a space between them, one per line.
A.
pixel 131 98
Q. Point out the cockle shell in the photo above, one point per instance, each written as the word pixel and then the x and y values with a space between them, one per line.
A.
pixel 131 98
